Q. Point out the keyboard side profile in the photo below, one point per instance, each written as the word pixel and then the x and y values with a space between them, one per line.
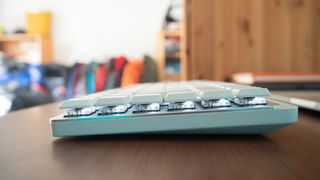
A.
pixel 192 107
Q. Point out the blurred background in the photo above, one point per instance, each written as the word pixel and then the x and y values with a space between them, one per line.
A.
pixel 55 50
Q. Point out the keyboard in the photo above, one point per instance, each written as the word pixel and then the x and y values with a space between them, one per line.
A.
pixel 186 107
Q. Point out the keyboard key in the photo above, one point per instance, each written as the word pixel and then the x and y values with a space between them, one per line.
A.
pixel 78 103
pixel 177 86
pixel 146 98
pixel 179 92
pixel 242 90
pixel 132 89
pixel 180 96
pixel 206 92
pixel 250 92
pixel 113 100
pixel 155 88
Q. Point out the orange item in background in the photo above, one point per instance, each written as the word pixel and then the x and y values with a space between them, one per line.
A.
pixel 132 73
pixel 39 23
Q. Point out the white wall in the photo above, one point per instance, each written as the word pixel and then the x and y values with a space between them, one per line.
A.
pixel 86 29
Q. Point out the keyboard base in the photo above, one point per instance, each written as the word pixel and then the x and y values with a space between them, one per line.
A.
pixel 241 120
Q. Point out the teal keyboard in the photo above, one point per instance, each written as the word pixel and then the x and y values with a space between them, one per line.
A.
pixel 187 107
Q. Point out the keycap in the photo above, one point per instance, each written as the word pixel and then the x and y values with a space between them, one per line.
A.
pixel 242 90
pixel 147 98
pixel 177 86
pixel 132 89
pixel 250 92
pixel 84 101
pixel 206 92
pixel 180 96
pixel 179 92
pixel 157 88
pixel 113 100
pixel 78 103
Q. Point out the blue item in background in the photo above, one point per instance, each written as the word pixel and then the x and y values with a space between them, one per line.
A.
pixel 91 83
pixel 36 73
pixel 70 82
pixel 173 68
pixel 22 75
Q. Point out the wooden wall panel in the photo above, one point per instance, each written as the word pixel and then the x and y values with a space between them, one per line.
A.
pixel 302 35
pixel 229 36
pixel 276 34
pixel 317 34
pixel 202 68
pixel 229 40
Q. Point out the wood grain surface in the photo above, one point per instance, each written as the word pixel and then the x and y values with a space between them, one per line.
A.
pixel 28 151
pixel 230 36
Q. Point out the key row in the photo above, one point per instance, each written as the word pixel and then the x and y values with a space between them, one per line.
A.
pixel 167 93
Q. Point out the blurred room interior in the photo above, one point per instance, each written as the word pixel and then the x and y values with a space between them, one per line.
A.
pixel 55 50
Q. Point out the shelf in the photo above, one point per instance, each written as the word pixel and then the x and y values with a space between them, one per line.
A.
pixel 172 33
pixel 164 58
pixel 18 37
pixel 172 77
pixel 176 55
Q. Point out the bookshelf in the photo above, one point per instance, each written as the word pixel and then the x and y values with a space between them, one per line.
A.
pixel 170 55
pixel 27 48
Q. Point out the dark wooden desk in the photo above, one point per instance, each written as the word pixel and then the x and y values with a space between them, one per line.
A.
pixel 28 151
